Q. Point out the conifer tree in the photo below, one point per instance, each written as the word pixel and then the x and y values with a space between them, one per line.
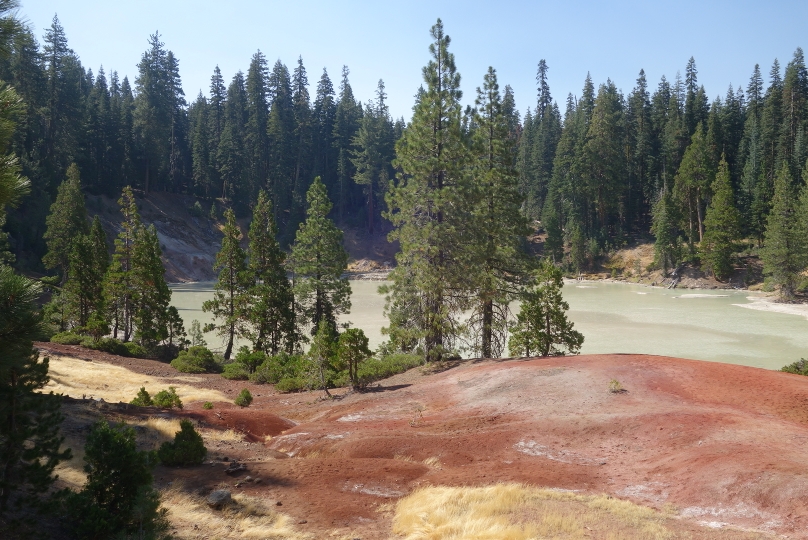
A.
pixel 67 221
pixel 784 248
pixel 721 224
pixel 119 293
pixel 318 263
pixel 84 283
pixel 429 209
pixel 271 302
pixel 542 327
pixel 500 258
pixel 352 350
pixel 229 290
pixel 693 180
pixel 151 292
pixel 665 228
pixel 29 418
pixel 322 354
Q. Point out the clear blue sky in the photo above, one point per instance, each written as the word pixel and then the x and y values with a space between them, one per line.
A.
pixel 389 40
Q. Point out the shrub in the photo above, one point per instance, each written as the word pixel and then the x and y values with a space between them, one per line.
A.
pixel 615 387
pixel 143 399
pixel 235 372
pixel 107 345
pixel 250 360
pixel 280 366
pixel 135 350
pixel 186 449
pixel 196 210
pixel 291 384
pixel 195 360
pixel 207 405
pixel 118 499
pixel 167 399
pixel 800 367
pixel 373 370
pixel 244 398
pixel 67 338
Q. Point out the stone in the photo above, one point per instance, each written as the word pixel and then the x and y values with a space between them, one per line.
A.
pixel 219 498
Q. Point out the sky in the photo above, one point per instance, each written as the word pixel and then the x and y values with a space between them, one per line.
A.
pixel 390 40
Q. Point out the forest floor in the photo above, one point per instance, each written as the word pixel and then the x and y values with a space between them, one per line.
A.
pixel 719 450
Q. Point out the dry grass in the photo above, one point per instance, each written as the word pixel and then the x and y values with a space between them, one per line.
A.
pixel 247 517
pixel 517 512
pixel 77 378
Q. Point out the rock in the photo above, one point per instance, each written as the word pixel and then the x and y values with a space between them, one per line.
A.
pixel 219 498
pixel 302 521
pixel 235 467
pixel 279 503
pixel 248 478
pixel 257 481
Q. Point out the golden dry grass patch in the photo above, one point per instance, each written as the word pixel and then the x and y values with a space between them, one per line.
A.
pixel 247 517
pixel 76 378
pixel 518 512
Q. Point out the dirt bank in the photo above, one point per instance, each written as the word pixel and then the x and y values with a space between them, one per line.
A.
pixel 724 445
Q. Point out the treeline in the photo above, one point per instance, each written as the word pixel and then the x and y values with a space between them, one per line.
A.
pixel 260 130
pixel 615 167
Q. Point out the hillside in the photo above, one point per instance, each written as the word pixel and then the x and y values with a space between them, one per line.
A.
pixel 715 448
pixel 190 242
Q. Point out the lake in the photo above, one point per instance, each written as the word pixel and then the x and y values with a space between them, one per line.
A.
pixel 616 318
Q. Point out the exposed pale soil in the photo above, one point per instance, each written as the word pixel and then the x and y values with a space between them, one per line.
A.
pixel 725 445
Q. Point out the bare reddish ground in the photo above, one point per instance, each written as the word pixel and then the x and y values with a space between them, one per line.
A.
pixel 723 444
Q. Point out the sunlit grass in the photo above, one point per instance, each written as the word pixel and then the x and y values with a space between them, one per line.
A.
pixel 518 512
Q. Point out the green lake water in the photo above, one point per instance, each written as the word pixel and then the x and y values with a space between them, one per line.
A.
pixel 616 318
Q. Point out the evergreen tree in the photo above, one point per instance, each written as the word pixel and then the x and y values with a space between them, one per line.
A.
pixel 346 123
pixel 318 263
pixel 82 290
pixel 271 302
pixel 229 290
pixel 429 209
pixel 29 418
pixel 722 225
pixel 67 221
pixel 542 326
pixel 151 292
pixel 665 228
pixel 784 250
pixel 693 180
pixel 502 229
pixel 352 350
pixel 119 293
pixel 322 354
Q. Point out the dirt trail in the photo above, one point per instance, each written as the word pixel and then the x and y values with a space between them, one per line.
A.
pixel 724 444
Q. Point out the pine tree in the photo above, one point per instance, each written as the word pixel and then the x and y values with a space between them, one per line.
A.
pixel 322 354
pixel 229 290
pixel 82 290
pixel 665 228
pixel 784 250
pixel 271 302
pixel 119 294
pixel 67 221
pixel 429 209
pixel 501 261
pixel 722 225
pixel 151 292
pixel 352 350
pixel 318 263
pixel 693 180
pixel 29 418
pixel 542 326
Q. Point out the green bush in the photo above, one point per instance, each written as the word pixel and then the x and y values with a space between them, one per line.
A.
pixel 800 367
pixel 118 500
pixel 281 366
pixel 196 360
pixel 235 372
pixel 196 210
pixel 250 359
pixel 143 399
pixel 207 405
pixel 107 345
pixel 67 338
pixel 373 370
pixel 167 399
pixel 186 449
pixel 244 398
pixel 291 384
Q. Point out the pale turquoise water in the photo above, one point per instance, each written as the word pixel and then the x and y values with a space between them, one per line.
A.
pixel 618 318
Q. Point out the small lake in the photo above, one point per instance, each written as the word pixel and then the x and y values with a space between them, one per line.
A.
pixel 616 318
